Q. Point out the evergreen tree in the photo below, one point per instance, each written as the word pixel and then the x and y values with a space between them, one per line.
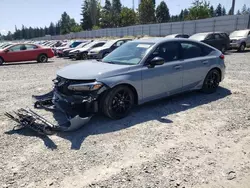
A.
pixel 162 13
pixel 146 12
pixel 52 29
pixel 116 11
pixel 212 13
pixel 224 11
pixel 106 16
pixel 218 11
pixel 199 10
pixel 185 13
pixel 181 16
pixel 86 21
pixel 238 12
pixel 65 23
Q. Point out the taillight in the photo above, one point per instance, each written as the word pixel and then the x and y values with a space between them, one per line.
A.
pixel 222 56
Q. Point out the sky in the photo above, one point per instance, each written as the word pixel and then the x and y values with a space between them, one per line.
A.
pixel 39 13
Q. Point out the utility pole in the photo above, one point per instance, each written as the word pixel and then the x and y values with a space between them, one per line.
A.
pixel 133 4
pixel 232 8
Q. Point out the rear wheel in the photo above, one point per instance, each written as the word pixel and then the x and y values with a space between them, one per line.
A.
pixel 223 49
pixel 118 102
pixel 84 56
pixel 42 58
pixel 1 61
pixel 242 47
pixel 211 81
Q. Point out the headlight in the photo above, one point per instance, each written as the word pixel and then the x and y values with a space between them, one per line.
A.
pixel 86 86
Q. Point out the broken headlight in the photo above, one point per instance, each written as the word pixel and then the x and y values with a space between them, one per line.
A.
pixel 85 86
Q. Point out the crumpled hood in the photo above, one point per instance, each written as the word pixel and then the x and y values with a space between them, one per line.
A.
pixel 88 70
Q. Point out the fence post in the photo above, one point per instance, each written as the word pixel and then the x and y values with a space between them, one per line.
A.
pixel 182 29
pixel 214 25
pixel 194 26
pixel 236 23
pixel 170 28
pixel 159 29
pixel 141 30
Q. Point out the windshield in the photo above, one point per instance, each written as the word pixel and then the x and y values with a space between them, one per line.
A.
pixel 238 34
pixel 74 44
pixel 198 36
pixel 89 45
pixel 109 44
pixel 130 53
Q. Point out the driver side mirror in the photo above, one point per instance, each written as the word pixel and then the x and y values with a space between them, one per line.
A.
pixel 156 61
pixel 7 50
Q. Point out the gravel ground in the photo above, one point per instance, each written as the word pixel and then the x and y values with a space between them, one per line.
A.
pixel 190 140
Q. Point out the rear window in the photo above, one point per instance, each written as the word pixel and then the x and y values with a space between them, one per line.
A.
pixel 198 36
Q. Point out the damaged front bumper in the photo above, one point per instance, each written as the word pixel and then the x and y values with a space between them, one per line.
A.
pixel 78 109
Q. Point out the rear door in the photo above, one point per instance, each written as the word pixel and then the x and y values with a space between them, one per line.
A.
pixel 197 60
pixel 210 40
pixel 15 54
pixel 31 52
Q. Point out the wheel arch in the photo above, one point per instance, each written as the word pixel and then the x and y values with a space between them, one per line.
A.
pixel 218 69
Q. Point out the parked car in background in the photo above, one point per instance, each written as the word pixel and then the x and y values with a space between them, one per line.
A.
pixel 67 50
pixel 25 52
pixel 69 44
pixel 177 36
pixel 82 53
pixel 4 45
pixel 137 72
pixel 219 40
pixel 101 52
pixel 240 40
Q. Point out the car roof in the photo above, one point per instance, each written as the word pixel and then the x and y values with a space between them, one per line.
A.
pixel 161 39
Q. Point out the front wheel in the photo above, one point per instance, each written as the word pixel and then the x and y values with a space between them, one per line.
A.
pixel 84 56
pixel 118 102
pixel 242 47
pixel 223 49
pixel 42 58
pixel 1 61
pixel 211 81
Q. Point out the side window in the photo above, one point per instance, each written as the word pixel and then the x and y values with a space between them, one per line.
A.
pixel 210 37
pixel 217 36
pixel 249 34
pixel 190 50
pixel 30 47
pixel 119 43
pixel 169 51
pixel 98 45
pixel 15 48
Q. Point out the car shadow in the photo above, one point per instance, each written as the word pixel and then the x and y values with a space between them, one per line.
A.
pixel 27 132
pixel 24 63
pixel 236 52
pixel 156 110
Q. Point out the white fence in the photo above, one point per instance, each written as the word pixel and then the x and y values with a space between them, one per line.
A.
pixel 223 23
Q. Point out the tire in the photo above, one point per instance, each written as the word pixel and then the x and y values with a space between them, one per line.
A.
pixel 223 49
pixel 1 61
pixel 84 56
pixel 117 102
pixel 43 58
pixel 242 47
pixel 211 82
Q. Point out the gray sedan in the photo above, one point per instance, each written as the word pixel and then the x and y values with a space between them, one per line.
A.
pixel 137 72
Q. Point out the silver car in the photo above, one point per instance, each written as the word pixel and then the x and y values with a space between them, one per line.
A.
pixel 137 72
pixel 240 39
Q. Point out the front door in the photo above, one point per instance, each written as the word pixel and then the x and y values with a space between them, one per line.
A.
pixel 15 54
pixel 166 79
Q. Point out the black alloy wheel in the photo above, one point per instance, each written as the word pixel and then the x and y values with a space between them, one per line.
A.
pixel 118 102
pixel 211 81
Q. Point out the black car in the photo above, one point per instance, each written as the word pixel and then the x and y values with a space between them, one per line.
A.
pixel 219 40
pixel 177 36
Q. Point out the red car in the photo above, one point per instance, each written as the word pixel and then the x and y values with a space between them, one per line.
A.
pixel 25 52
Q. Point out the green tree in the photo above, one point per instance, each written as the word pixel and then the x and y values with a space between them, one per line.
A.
pixel 106 15
pixel 199 10
pixel 162 13
pixel 58 28
pixel 218 10
pixel 86 21
pixel 76 28
pixel 185 13
pixel 93 11
pixel 116 11
pixel 181 15
pixel 65 23
pixel 146 12
pixel 52 29
pixel 212 14
pixel 245 10
pixel 127 16
pixel 238 12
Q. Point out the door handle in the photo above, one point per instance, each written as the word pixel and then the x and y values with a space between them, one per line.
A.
pixel 177 67
pixel 205 62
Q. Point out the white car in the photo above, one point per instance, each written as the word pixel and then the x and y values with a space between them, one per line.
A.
pixel 240 39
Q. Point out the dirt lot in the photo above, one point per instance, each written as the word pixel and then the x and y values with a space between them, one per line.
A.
pixel 191 140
